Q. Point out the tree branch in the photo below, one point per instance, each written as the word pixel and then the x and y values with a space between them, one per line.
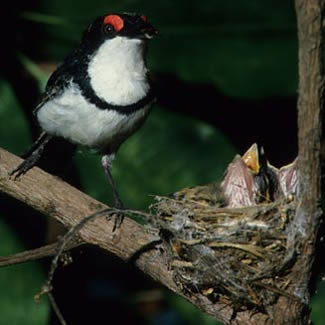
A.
pixel 310 105
pixel 57 199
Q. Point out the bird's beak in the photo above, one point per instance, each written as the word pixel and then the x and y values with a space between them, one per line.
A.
pixel 251 159
pixel 149 31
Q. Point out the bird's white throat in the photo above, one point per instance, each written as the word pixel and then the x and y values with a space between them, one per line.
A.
pixel 117 71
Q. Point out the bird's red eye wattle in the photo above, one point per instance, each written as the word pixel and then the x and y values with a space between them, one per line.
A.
pixel 144 18
pixel 114 20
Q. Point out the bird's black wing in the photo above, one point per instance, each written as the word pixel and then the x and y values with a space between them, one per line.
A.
pixel 60 78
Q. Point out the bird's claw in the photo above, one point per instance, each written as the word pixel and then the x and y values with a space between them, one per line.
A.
pixel 118 219
pixel 18 171
pixel 24 167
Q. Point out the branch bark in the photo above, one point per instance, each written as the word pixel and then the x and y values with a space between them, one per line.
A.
pixel 310 105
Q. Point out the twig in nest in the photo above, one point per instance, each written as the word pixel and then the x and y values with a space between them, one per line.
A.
pixel 252 249
pixel 277 290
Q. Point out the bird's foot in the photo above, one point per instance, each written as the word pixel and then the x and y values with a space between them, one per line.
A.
pixel 118 216
pixel 118 205
pixel 25 166
pixel 33 155
pixel 118 220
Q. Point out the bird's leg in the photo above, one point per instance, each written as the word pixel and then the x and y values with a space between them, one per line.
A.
pixel 107 164
pixel 32 156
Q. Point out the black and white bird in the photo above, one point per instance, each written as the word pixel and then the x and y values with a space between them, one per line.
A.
pixel 101 93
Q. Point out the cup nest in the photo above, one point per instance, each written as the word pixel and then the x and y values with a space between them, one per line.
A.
pixel 240 253
pixel 236 255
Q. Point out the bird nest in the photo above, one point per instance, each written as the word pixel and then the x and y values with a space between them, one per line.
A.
pixel 230 253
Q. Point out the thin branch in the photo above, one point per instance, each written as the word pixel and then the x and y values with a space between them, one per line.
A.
pixel 56 309
pixel 66 239
pixel 36 254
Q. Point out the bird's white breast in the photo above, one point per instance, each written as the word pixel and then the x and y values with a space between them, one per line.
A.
pixel 72 117
pixel 117 71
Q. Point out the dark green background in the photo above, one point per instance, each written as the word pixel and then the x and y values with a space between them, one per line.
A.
pixel 212 58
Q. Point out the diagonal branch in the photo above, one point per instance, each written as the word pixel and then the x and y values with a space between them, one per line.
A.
pixel 57 199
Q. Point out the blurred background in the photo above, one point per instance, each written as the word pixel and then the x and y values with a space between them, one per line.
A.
pixel 226 76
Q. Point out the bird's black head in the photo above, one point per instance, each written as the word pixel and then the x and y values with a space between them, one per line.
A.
pixel 129 25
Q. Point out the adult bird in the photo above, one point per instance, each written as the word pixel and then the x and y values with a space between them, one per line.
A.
pixel 101 93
